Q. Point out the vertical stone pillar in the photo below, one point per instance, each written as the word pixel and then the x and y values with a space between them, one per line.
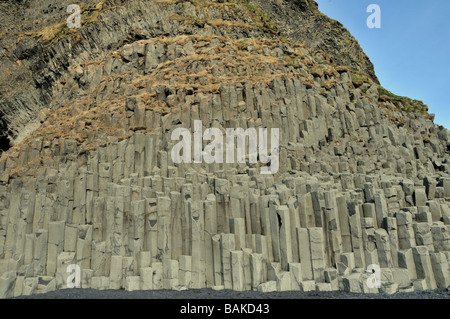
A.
pixel 406 238
pixel 146 278
pixel 40 252
pixel 29 249
pixel 227 245
pixel 391 226
pixel 217 258
pixel 423 266
pixel 423 235
pixel 344 226
pixel 247 269
pixel 384 248
pixel 294 219
pixel 151 227
pixel 237 227
pixel 137 227
pixel 369 241
pixel 116 273
pixel 334 239
pixel 79 199
pixel 255 212
pixel 310 206
pixel 257 270
pixel 129 159
pixel 163 234
pixel 149 153
pixel 237 270
pixel 24 220
pixel 157 275
pixel 285 237
pixel 184 274
pixel 55 245
pixel 116 238
pixel 304 247
pixel 406 261
pixel 440 269
pixel 381 209
pixel 197 240
pixel 84 246
pixel 186 195
pixel 295 270
pixel 210 231
pixel 420 196
pixel 139 153
pixel 317 253
pixel 170 273
pixel 176 225
pixel 356 233
pixel 317 208
pixel 101 260
pixel 98 219
pixel 70 237
pixel 12 219
pixel 91 194
pixel 441 237
pixel 275 224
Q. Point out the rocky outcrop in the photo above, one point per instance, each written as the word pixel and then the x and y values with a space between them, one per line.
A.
pixel 301 21
pixel 36 55
pixel 36 59
pixel 360 181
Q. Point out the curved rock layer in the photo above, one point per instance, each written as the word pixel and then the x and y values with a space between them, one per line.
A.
pixel 360 182
pixel 37 48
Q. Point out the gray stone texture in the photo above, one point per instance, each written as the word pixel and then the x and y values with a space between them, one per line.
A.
pixel 353 188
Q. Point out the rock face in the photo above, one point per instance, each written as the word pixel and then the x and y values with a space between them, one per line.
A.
pixel 95 187
pixel 37 47
pixel 301 21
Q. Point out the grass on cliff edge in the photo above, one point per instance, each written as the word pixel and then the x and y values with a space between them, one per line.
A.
pixel 402 103
pixel 90 13
pixel 258 17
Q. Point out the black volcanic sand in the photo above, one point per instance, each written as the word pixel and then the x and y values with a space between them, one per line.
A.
pixel 228 294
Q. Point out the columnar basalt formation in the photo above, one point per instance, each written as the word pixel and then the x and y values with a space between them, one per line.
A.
pixel 361 182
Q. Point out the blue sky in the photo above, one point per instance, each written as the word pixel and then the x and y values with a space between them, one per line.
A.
pixel 411 50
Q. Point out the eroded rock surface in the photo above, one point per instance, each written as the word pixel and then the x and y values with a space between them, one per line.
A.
pixel 361 181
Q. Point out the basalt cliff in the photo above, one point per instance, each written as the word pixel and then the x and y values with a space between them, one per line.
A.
pixel 88 179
